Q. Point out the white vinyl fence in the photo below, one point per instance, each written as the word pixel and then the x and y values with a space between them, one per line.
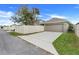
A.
pixel 28 29
pixel 77 30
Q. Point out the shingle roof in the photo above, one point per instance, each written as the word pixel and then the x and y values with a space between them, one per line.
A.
pixel 55 20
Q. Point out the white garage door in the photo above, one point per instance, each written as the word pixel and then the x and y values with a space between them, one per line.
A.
pixel 56 28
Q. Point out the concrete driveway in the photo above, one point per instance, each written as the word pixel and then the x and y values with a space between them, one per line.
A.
pixel 43 40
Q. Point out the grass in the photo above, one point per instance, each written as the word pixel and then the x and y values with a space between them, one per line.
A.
pixel 15 33
pixel 18 34
pixel 67 44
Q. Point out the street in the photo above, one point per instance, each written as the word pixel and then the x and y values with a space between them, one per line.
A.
pixel 10 45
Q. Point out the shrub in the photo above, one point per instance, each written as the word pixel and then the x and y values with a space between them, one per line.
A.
pixel 71 28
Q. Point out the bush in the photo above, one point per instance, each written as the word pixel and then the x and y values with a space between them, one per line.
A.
pixel 71 28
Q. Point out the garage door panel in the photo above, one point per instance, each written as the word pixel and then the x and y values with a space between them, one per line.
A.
pixel 57 28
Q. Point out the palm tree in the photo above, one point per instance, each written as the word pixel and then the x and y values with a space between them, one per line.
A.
pixel 35 12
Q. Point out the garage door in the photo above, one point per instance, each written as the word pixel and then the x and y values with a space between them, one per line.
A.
pixel 56 28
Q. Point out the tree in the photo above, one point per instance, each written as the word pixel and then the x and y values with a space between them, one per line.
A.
pixel 35 12
pixel 25 15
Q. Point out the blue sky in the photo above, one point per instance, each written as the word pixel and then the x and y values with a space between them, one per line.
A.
pixel 47 11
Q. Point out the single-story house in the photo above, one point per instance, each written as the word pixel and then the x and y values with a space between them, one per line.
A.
pixel 56 25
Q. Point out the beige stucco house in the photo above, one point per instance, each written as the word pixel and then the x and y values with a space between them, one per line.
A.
pixel 56 25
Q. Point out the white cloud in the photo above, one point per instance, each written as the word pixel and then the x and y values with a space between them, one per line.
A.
pixel 5 17
pixel 6 14
pixel 40 15
pixel 57 16
pixel 5 22
pixel 49 16
pixel 72 19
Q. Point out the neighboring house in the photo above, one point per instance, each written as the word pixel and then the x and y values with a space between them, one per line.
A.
pixel 56 25
pixel 1 27
pixel 9 27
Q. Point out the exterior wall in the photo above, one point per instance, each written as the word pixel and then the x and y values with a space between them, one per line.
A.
pixel 28 29
pixel 62 27
pixel 77 30
pixel 66 26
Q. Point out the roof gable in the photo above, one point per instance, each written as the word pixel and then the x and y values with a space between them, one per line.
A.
pixel 56 20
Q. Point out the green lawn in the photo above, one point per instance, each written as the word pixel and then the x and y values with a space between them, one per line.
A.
pixel 67 44
pixel 15 33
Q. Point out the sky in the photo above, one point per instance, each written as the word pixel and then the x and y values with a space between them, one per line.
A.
pixel 47 11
